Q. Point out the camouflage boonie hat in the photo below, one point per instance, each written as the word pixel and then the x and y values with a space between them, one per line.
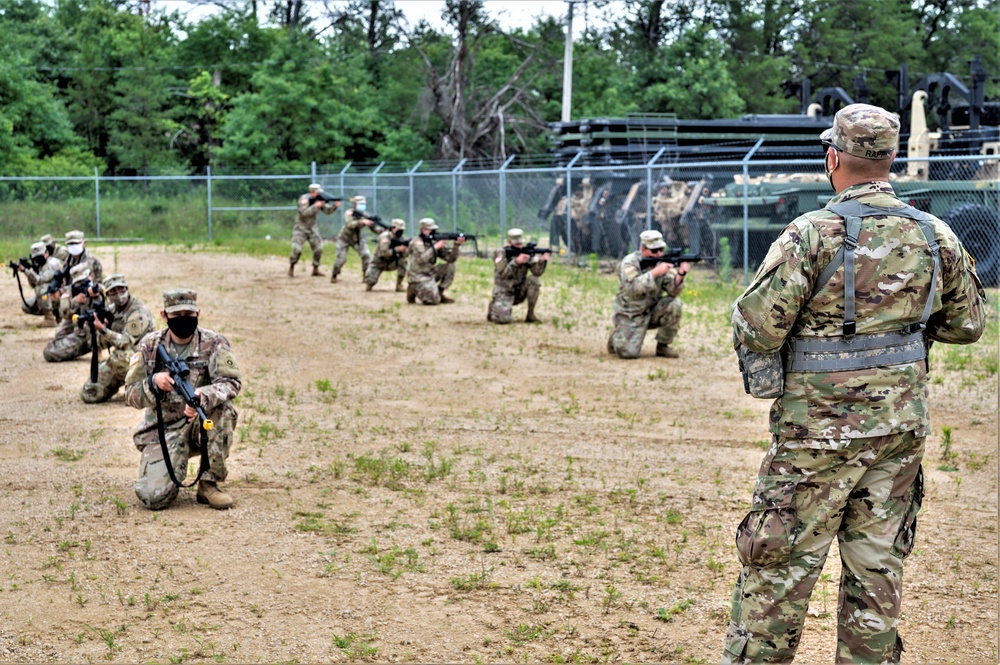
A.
pixel 114 281
pixel 180 300
pixel 74 237
pixel 428 223
pixel 863 130
pixel 515 234
pixel 358 199
pixel 315 187
pixel 46 239
pixel 38 249
pixel 398 223
pixel 79 272
pixel 652 240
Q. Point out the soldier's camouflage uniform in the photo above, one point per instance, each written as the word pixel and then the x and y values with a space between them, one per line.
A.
pixel 427 279
pixel 305 230
pixel 384 259
pixel 70 340
pixel 120 337
pixel 96 276
pixel 351 235
pixel 845 456
pixel 214 371
pixel 55 249
pixel 514 283
pixel 39 280
pixel 644 302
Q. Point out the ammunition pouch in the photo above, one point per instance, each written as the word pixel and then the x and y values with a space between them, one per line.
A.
pixel 763 373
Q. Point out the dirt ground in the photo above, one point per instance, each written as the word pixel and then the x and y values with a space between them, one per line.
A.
pixel 415 484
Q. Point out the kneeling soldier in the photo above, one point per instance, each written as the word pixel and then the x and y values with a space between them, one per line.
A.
pixel 427 281
pixel 132 321
pixel 44 268
pixel 515 279
pixel 216 380
pixel 70 340
pixel 390 253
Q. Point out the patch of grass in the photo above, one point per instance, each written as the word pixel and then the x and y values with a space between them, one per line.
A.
pixel 68 455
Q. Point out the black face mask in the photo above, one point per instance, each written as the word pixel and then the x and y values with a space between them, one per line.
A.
pixel 398 233
pixel 38 261
pixel 183 326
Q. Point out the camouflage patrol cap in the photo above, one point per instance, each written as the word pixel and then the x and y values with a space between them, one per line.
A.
pixel 315 187
pixel 79 272
pixel 46 239
pixel 74 237
pixel 180 300
pixel 652 240
pixel 398 223
pixel 38 249
pixel 515 234
pixel 358 199
pixel 114 281
pixel 863 130
pixel 428 223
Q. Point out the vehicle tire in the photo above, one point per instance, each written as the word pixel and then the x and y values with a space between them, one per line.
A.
pixel 978 227
pixel 614 237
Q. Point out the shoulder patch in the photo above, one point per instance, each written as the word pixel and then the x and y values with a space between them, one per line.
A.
pixel 136 357
pixel 227 364
pixel 630 270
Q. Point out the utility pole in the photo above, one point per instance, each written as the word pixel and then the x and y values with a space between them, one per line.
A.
pixel 567 100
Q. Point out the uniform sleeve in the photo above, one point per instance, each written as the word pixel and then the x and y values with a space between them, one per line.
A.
pixel 224 374
pixel 32 276
pixel 635 283
pixel 137 325
pixel 670 284
pixel 537 266
pixel 764 315
pixel 137 393
pixel 962 317
pixel 96 270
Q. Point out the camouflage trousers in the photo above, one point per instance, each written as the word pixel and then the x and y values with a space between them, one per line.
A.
pixel 428 288
pixel 70 341
pixel 377 266
pixel 865 492
pixel 630 331
pixel 504 300
pixel 361 247
pixel 110 377
pixel 154 488
pixel 302 234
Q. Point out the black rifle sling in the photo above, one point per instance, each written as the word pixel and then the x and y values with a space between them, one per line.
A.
pixel 17 275
pixel 202 463
pixel 95 351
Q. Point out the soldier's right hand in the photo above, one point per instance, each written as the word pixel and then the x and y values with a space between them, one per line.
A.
pixel 523 258
pixel 164 382
pixel 661 269
pixel 439 244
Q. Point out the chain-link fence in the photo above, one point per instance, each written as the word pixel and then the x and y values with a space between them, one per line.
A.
pixel 729 210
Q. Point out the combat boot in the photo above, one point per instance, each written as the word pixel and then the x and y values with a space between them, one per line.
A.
pixel 49 320
pixel 333 278
pixel 531 318
pixel 369 287
pixel 411 294
pixel 611 345
pixel 291 269
pixel 445 300
pixel 209 492
pixel 316 272
pixel 664 351
pixel 399 284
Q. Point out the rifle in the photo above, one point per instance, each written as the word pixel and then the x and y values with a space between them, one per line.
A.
pixel 531 249
pixel 673 256
pixel 374 219
pixel 88 317
pixel 61 279
pixel 16 274
pixel 435 236
pixel 86 287
pixel 325 198
pixel 395 242
pixel 179 372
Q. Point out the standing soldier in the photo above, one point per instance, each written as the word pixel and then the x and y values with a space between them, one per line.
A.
pixel 58 251
pixel 216 380
pixel 851 297
pixel 132 321
pixel 310 205
pixel 44 268
pixel 426 280
pixel 350 235
pixel 71 340
pixel 390 253
pixel 647 300
pixel 515 279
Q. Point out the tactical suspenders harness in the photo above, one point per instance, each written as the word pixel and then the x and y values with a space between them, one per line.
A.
pixel 867 351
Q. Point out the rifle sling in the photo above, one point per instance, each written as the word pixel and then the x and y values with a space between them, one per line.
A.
pixel 202 463
pixel 17 275
pixel 95 352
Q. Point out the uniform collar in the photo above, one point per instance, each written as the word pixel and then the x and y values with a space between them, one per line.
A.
pixel 862 190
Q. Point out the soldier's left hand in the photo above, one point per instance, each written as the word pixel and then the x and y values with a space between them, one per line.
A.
pixel 460 240
pixel 188 410
pixel 99 324
pixel 545 257
pixel 80 298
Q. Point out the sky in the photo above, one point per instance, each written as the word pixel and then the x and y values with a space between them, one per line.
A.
pixel 510 13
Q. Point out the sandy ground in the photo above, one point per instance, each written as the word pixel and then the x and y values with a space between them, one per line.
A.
pixel 415 484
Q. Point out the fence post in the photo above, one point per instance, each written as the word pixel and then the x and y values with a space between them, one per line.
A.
pixel 342 172
pixel 375 186
pixel 410 175
pixel 649 188
pixel 569 202
pixel 454 195
pixel 208 189
pixel 746 211
pixel 97 199
pixel 503 197
pixel 312 172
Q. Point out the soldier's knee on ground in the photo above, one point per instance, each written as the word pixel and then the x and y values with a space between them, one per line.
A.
pixel 156 500
pixel 94 393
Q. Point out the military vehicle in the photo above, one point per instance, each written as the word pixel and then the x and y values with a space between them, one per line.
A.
pixel 612 207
